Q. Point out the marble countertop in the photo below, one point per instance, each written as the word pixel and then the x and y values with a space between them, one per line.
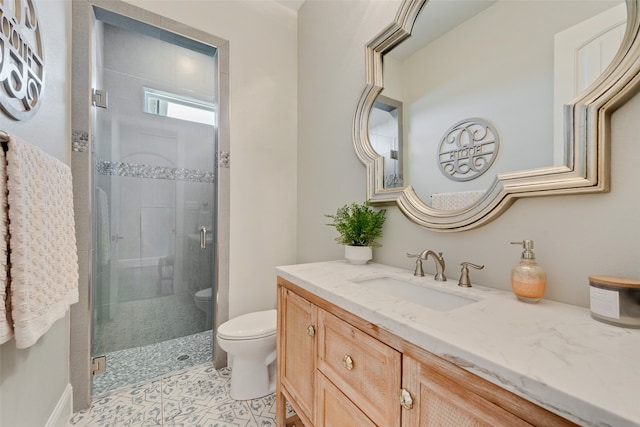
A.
pixel 552 354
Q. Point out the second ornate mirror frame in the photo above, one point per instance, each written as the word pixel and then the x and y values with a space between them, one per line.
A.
pixel 586 129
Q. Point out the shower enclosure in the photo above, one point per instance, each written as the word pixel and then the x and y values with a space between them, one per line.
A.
pixel 154 124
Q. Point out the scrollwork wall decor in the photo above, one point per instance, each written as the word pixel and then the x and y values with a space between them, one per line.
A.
pixel 468 149
pixel 21 59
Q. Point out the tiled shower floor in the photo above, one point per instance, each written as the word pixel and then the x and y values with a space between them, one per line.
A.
pixel 141 364
pixel 148 321
pixel 198 397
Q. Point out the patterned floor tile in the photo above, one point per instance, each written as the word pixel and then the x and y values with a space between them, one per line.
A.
pixel 233 412
pixel 197 397
pixel 199 386
pixel 230 413
pixel 264 407
pixel 139 406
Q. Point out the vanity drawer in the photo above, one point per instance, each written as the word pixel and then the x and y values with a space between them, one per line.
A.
pixel 335 410
pixel 366 370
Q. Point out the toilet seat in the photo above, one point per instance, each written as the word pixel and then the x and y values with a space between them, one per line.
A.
pixel 249 326
pixel 204 294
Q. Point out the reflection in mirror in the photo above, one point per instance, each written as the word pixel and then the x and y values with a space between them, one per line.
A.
pixel 511 63
pixel 518 91
pixel 385 134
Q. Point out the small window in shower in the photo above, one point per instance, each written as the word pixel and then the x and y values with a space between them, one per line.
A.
pixel 179 107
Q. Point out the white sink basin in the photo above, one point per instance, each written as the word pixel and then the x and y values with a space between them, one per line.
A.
pixel 427 297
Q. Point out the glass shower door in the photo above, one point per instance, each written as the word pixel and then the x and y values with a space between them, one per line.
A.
pixel 154 171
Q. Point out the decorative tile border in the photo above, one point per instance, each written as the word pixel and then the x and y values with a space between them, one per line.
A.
pixel 105 167
pixel 80 141
pixel 224 159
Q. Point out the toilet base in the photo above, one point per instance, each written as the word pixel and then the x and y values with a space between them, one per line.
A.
pixel 250 341
pixel 252 379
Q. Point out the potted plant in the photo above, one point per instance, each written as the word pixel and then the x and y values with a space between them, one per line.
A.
pixel 359 227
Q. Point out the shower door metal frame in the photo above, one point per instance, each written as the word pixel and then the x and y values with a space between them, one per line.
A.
pixel 82 166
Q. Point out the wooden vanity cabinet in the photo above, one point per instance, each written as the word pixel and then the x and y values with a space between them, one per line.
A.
pixel 351 373
pixel 296 356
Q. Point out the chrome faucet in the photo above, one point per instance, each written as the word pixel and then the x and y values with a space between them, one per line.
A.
pixel 464 280
pixel 418 271
pixel 439 261
pixel 437 258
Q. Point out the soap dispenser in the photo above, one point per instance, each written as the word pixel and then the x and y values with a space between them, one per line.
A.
pixel 528 279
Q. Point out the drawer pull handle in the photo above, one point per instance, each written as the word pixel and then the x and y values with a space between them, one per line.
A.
pixel 311 331
pixel 405 399
pixel 347 361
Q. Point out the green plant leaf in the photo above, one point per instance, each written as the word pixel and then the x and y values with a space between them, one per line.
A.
pixel 358 225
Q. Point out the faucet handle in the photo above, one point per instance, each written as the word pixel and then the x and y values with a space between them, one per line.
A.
pixel 464 273
pixel 418 271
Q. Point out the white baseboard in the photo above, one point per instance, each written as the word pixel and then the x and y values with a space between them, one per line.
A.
pixel 62 412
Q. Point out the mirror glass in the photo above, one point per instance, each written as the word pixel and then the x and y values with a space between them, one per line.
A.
pixel 478 90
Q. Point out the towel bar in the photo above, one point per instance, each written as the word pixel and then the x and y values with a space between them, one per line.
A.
pixel 4 136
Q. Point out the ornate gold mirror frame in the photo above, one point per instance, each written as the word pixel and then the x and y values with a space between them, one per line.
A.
pixel 586 129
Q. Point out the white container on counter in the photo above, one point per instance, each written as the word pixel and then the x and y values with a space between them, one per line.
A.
pixel 615 300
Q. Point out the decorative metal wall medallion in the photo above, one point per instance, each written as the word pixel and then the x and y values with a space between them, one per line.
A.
pixel 468 149
pixel 21 59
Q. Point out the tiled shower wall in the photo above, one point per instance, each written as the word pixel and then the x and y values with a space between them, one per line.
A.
pixel 157 171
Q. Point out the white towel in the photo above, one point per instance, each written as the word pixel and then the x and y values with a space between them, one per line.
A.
pixel 43 253
pixel 6 326
pixel 455 200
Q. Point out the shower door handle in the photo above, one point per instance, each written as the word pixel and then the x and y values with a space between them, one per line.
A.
pixel 203 237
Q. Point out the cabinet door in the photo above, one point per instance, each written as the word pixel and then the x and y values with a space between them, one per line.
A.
pixel 296 353
pixel 439 401
pixel 335 409
pixel 447 395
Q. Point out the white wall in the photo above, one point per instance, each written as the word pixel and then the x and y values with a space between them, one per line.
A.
pixel 33 380
pixel 575 236
pixel 262 40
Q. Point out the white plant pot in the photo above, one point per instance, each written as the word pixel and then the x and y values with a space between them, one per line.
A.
pixel 358 254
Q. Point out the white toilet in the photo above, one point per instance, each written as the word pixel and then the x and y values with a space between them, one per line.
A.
pixel 251 340
pixel 202 299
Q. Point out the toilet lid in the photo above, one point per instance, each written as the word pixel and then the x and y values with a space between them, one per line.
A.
pixel 248 326
pixel 204 294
